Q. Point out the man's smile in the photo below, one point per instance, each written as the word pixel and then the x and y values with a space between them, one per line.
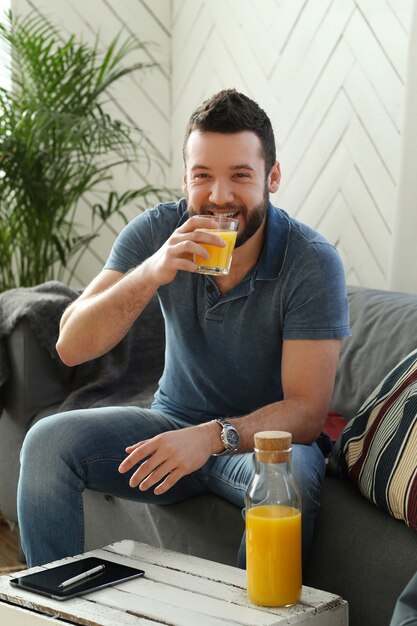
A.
pixel 229 214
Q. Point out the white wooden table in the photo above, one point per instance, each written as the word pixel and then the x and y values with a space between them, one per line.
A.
pixel 177 589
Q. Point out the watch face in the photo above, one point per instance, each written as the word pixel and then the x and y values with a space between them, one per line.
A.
pixel 232 437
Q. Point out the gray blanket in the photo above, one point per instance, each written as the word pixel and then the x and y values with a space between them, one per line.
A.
pixel 42 306
pixel 127 375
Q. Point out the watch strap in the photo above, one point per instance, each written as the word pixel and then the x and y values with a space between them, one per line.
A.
pixel 224 423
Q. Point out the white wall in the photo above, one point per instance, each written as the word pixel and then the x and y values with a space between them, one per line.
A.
pixel 330 73
pixel 403 274
pixel 5 78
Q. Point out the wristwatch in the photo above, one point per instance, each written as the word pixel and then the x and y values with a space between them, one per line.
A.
pixel 229 436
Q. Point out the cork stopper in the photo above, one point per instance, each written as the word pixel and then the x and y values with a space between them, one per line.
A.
pixel 273 446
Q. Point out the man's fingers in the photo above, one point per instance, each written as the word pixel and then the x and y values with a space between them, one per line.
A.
pixel 145 469
pixel 188 247
pixel 163 460
pixel 155 477
pixel 134 446
pixel 149 474
pixel 127 463
pixel 171 479
pixel 137 453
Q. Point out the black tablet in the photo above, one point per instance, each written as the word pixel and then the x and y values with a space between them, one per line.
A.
pixel 76 578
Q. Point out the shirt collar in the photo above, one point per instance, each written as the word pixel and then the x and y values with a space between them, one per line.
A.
pixel 275 246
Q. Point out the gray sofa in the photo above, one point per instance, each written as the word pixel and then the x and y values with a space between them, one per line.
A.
pixel 359 551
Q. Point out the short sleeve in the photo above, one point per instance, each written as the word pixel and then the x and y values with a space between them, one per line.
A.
pixel 315 298
pixel 143 236
pixel 132 246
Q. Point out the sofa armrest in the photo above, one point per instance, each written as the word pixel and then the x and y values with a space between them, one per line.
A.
pixel 36 380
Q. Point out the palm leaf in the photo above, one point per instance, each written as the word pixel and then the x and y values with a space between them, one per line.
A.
pixel 58 142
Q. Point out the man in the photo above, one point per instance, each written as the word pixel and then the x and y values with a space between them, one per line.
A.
pixel 258 347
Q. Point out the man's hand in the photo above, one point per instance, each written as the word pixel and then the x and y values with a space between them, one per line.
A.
pixel 177 252
pixel 169 456
pixel 85 331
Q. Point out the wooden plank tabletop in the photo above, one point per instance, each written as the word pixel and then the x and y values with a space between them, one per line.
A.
pixel 177 590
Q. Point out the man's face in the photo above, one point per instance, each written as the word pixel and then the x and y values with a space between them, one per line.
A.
pixel 225 175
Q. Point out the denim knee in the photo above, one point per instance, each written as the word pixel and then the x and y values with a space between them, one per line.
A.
pixel 47 437
pixel 37 441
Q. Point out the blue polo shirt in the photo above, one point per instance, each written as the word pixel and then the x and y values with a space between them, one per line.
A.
pixel 223 353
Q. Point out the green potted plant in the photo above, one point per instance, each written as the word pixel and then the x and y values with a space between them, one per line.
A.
pixel 57 142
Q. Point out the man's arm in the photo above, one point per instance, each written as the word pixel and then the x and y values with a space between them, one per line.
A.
pixel 308 373
pixel 100 318
pixel 102 315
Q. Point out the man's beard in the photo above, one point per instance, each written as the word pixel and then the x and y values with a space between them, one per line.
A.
pixel 253 222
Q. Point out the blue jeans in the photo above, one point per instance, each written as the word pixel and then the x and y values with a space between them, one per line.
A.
pixel 65 454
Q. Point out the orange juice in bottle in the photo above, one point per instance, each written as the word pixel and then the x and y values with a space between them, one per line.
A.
pixel 273 525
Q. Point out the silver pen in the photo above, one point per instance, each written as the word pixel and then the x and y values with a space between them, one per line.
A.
pixel 81 577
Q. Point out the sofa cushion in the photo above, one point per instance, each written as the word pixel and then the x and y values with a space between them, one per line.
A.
pixel 384 331
pixel 378 447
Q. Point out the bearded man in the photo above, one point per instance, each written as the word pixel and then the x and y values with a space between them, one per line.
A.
pixel 250 351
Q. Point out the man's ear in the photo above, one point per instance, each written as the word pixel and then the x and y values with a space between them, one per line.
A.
pixel 184 183
pixel 274 178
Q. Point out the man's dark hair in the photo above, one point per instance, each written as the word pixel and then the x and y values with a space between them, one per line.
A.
pixel 232 112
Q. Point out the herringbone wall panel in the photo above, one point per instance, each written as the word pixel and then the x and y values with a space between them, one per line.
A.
pixel 330 73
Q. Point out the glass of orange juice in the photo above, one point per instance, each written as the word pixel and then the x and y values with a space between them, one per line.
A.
pixel 220 259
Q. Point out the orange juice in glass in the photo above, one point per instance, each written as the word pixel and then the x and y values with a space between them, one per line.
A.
pixel 220 259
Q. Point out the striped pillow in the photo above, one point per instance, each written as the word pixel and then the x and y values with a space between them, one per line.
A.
pixel 378 447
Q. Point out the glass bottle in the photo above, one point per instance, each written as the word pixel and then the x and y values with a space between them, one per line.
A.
pixel 273 524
